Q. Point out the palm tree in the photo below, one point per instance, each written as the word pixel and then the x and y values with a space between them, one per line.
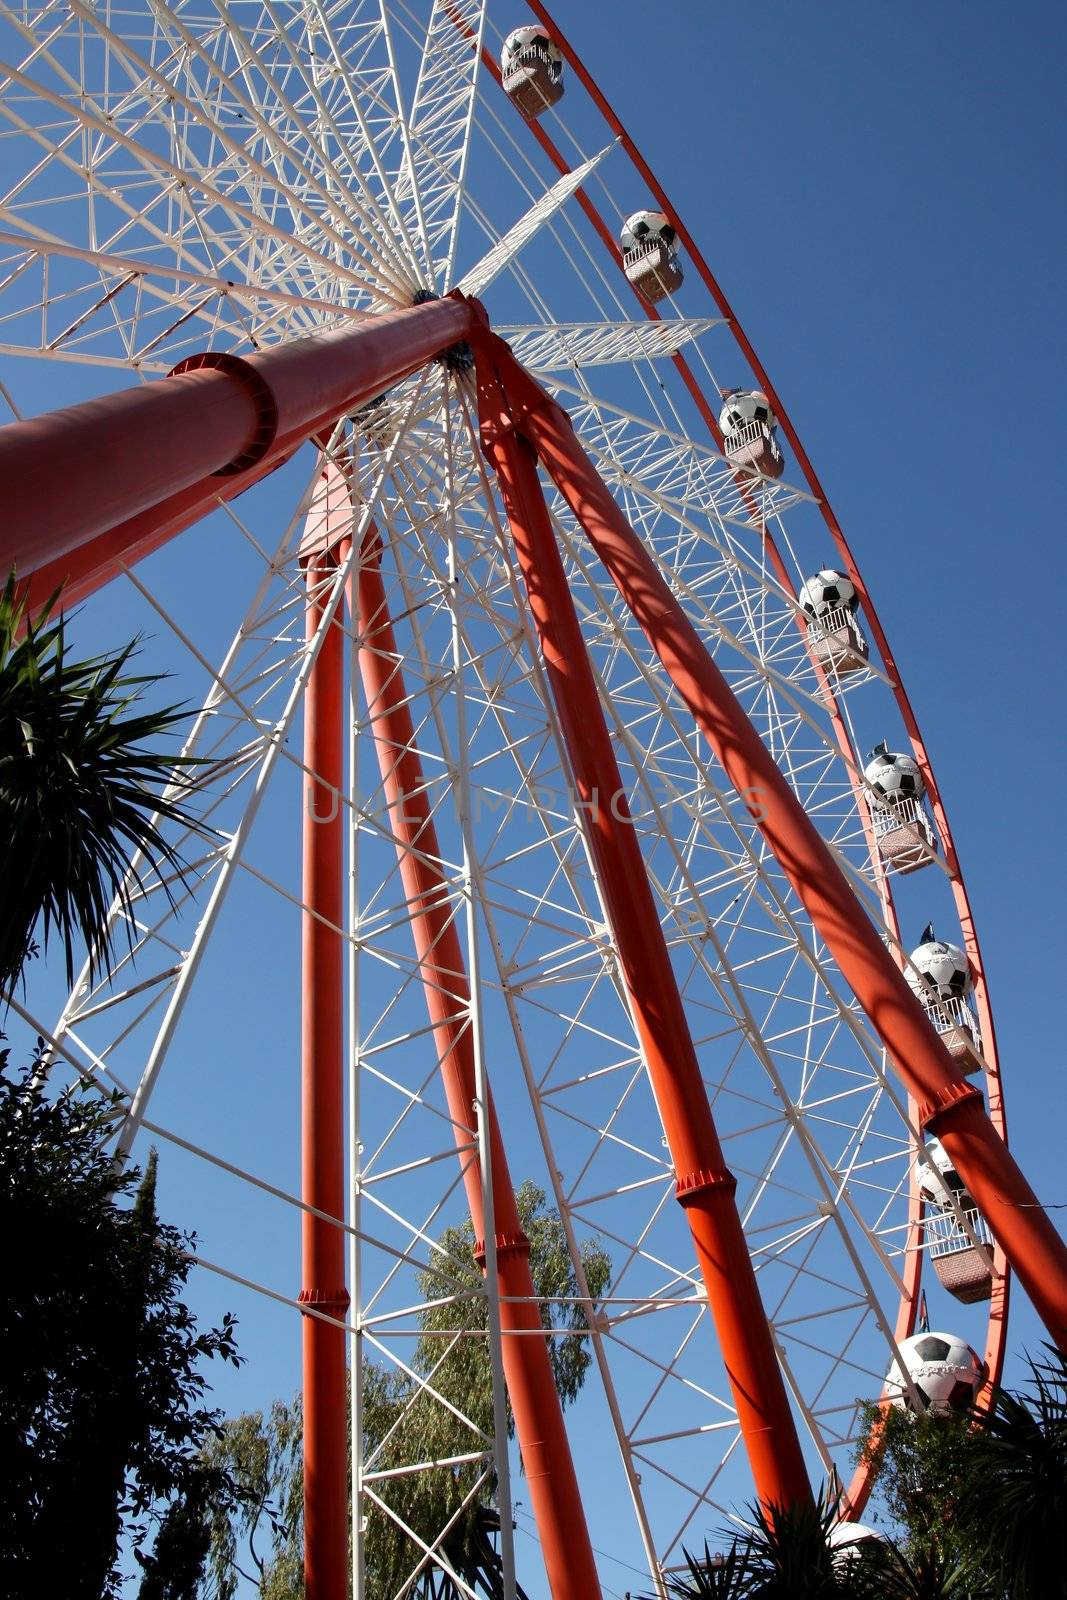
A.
pixel 794 1559
pixel 1014 1497
pixel 997 1481
pixel 80 789
pixel 787 1555
pixel 927 1573
pixel 725 1577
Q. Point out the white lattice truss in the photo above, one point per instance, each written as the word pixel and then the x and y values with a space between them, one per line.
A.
pixel 235 174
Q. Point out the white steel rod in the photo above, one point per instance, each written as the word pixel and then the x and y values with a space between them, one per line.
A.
pixel 481 1089
pixel 275 741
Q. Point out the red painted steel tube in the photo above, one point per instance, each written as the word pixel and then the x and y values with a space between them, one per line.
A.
pixel 83 571
pixel 997 1342
pixel 914 1256
pixel 68 476
pixel 705 1186
pixel 535 1404
pixel 326 1519
pixel 948 1105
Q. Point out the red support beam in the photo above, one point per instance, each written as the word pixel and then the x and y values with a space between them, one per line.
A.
pixel 72 476
pixel 93 564
pixel 535 1404
pixel 948 1105
pixel 997 1344
pixel 326 1519
pixel 705 1186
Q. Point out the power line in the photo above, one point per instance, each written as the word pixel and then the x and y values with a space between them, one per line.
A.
pixel 642 1572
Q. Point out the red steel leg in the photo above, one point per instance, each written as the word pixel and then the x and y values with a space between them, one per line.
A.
pixel 326 1518
pixel 98 560
pixel 948 1105
pixel 706 1187
pixel 539 1426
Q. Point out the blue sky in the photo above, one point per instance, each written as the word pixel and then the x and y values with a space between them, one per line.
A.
pixel 879 190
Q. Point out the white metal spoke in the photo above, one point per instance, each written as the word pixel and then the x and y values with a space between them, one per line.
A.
pixel 440 127
pixel 493 263
pixel 595 344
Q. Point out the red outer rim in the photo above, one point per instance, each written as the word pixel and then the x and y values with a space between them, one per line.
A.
pixel 996 1337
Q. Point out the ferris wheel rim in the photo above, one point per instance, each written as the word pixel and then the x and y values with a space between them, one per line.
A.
pixel 536 8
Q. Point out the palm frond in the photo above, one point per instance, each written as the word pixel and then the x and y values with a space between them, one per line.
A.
pixel 927 1573
pixel 1015 1495
pixel 726 1576
pixel 84 792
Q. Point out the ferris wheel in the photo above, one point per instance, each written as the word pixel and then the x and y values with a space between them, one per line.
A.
pixel 560 804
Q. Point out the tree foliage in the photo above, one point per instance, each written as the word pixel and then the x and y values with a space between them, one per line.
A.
pixel 921 1464
pixel 980 1500
pixel 260 1536
pixel 102 1420
pixel 717 1577
pixel 466 1369
pixel 925 1572
pixel 791 1556
pixel 79 787
pixel 405 1423
pixel 1014 1496
pixel 174 1567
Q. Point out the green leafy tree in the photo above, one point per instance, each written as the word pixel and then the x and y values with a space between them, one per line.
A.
pixel 259 1537
pixel 466 1370
pixel 980 1499
pixel 921 1464
pixel 176 1564
pixel 102 1421
pixel 80 788
pixel 403 1423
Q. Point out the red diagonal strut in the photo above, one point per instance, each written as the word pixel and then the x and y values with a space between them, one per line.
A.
pixel 539 1426
pixel 949 1106
pixel 705 1186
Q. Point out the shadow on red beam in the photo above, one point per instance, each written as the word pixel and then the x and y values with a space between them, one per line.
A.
pixel 948 1105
